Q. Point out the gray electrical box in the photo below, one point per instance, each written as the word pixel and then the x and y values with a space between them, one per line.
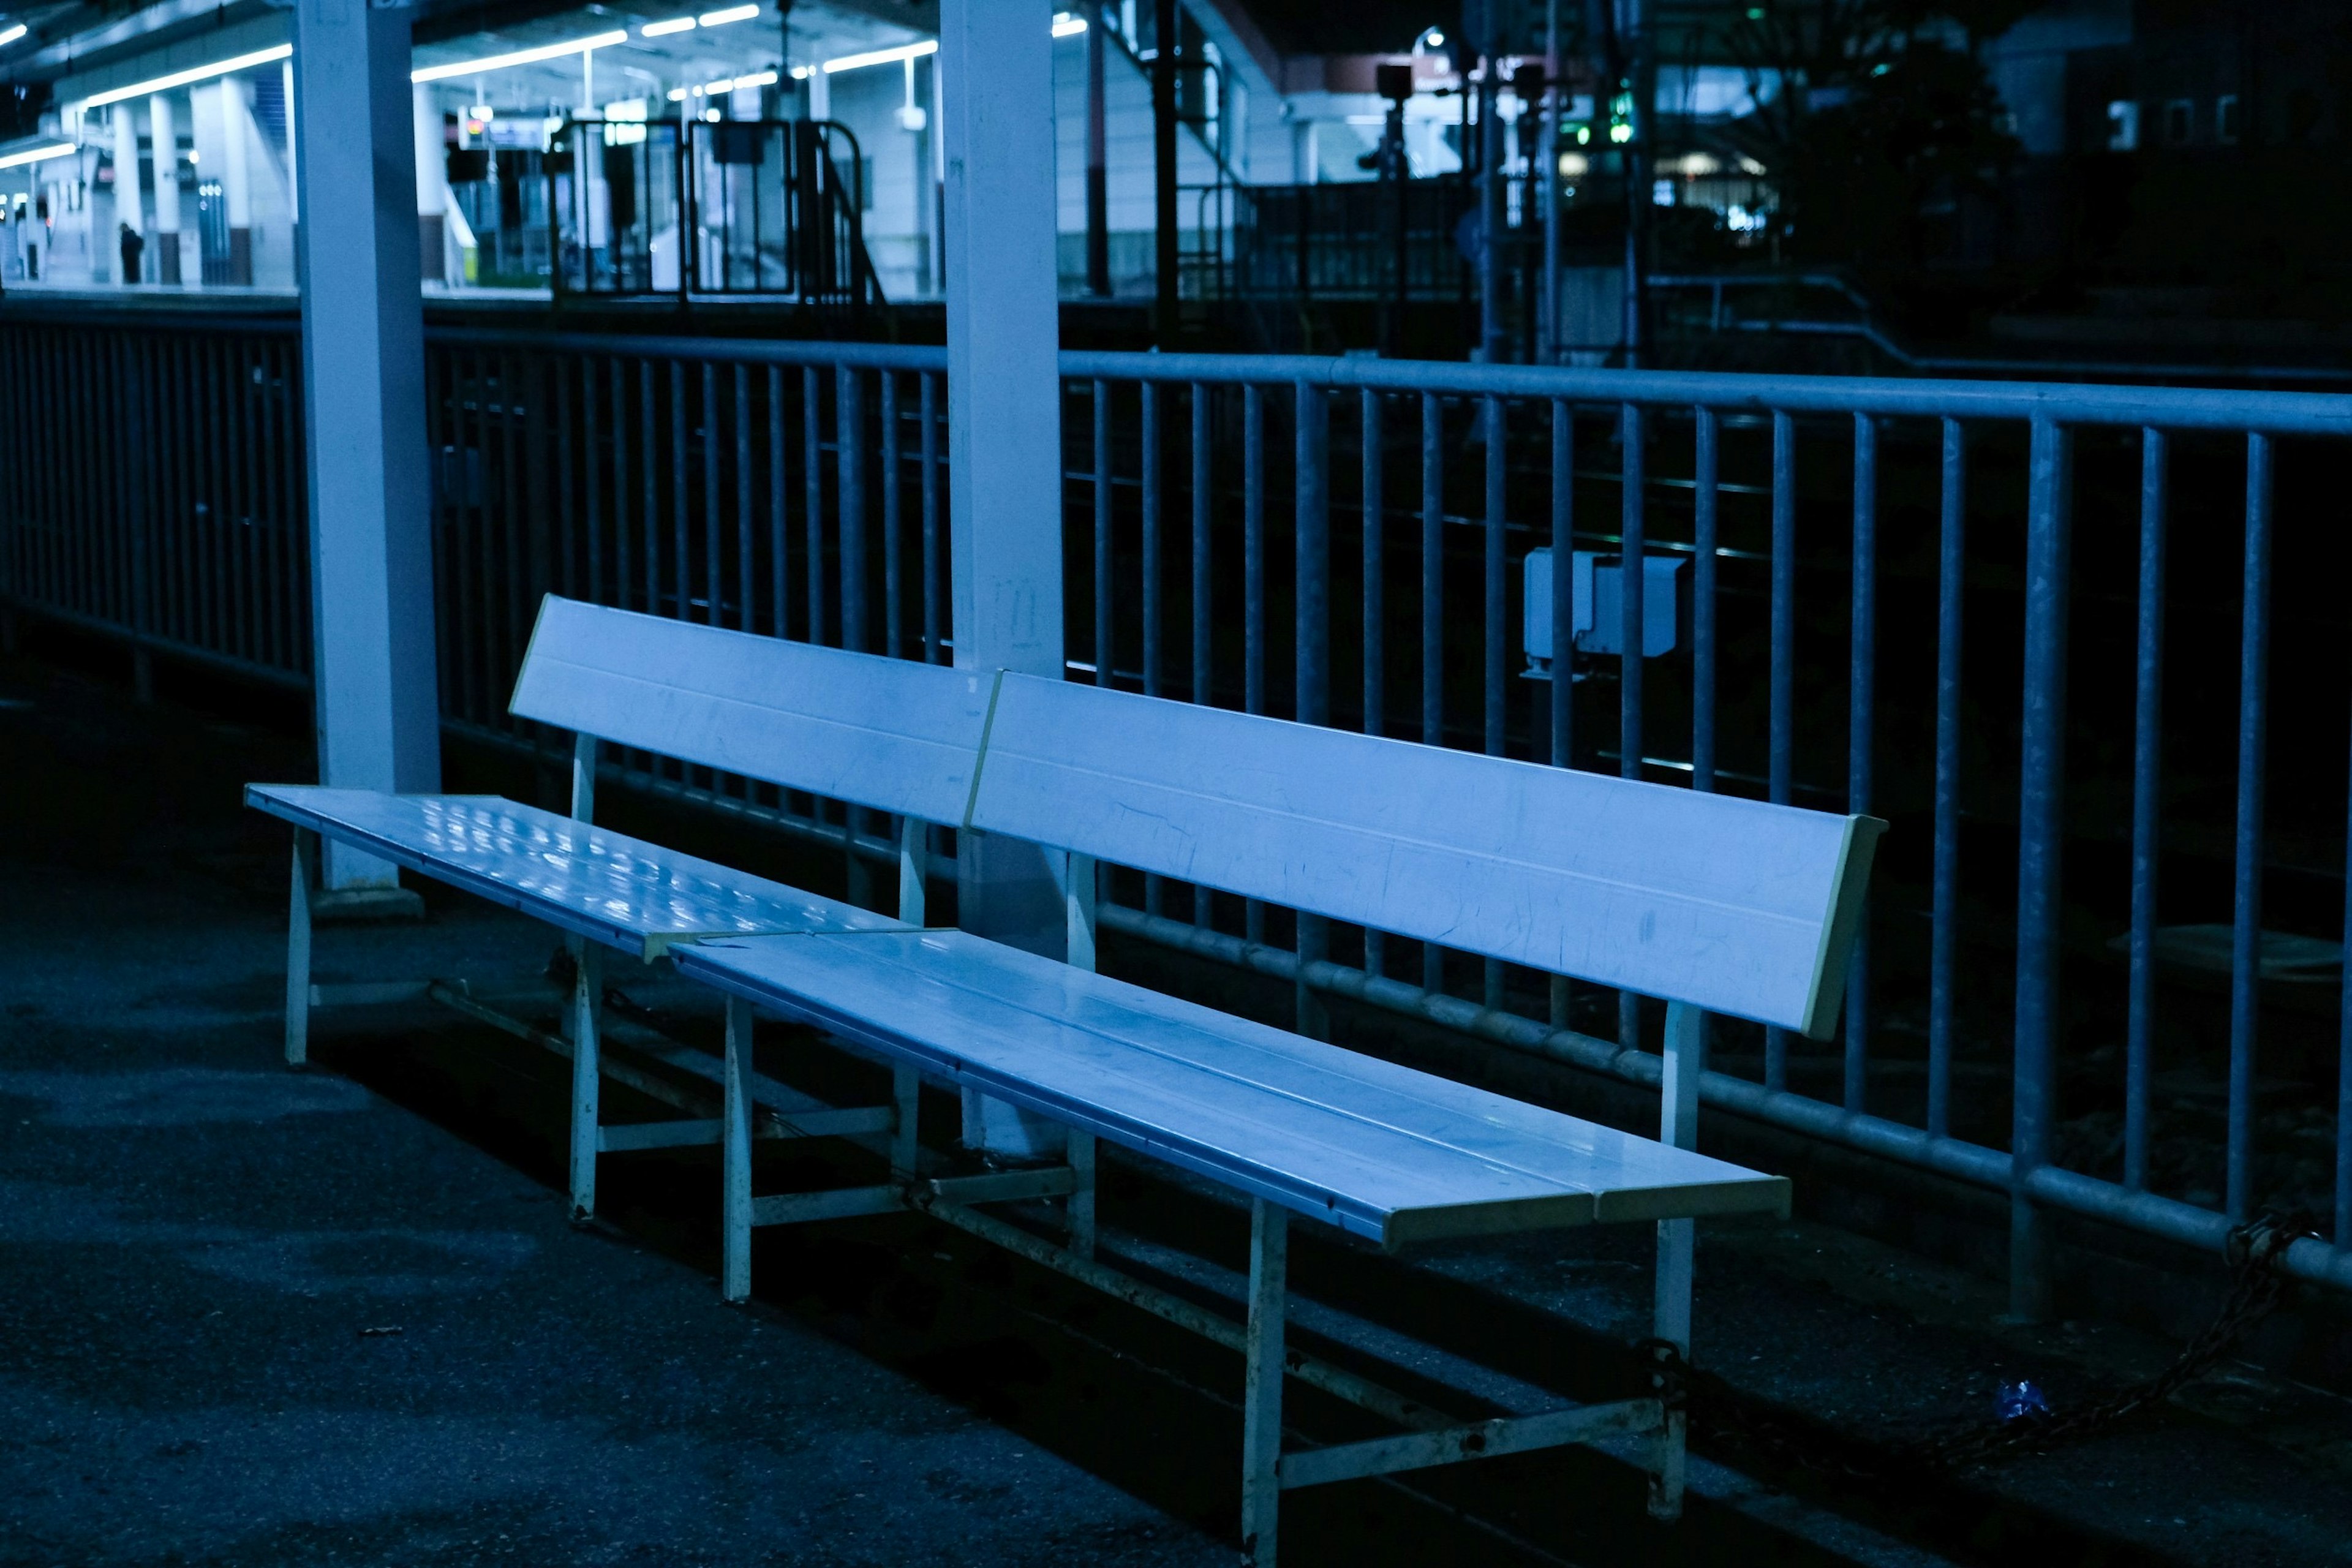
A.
pixel 1594 583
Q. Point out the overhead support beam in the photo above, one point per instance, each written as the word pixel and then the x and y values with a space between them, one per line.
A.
pixel 363 381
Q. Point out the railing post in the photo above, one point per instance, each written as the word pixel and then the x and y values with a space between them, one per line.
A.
pixel 2253 735
pixel 1311 541
pixel 2040 789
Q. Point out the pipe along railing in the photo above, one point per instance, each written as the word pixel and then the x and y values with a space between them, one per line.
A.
pixel 1890 591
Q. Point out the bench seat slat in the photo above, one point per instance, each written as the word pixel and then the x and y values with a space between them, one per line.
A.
pixel 1379 1150
pixel 615 889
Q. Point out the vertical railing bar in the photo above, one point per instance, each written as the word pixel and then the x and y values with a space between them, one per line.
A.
pixel 1254 588
pixel 1155 597
pixel 511 506
pixel 2148 805
pixel 1375 613
pixel 621 553
pixel 1310 530
pixel 681 501
pixel 1782 674
pixel 567 511
pixel 812 482
pixel 1154 572
pixel 1631 597
pixel 1102 547
pixel 1202 689
pixel 1944 926
pixel 780 579
pixel 714 514
pixel 1560 692
pixel 932 595
pixel 747 513
pixel 1495 644
pixel 1254 549
pixel 2253 734
pixel 486 574
pixel 1432 617
pixel 849 470
pixel 1199 498
pixel 592 479
pixel 1705 530
pixel 893 612
pixel 1861 693
pixel 2041 785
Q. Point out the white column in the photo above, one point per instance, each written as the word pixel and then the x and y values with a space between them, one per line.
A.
pixel 164 137
pixel 236 182
pixel 363 381
pixel 1004 430
pixel 432 185
pixel 128 208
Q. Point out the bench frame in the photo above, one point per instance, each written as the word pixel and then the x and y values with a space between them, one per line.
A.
pixel 751 1107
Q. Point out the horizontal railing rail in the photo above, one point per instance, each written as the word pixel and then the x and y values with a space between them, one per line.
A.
pixel 2043 628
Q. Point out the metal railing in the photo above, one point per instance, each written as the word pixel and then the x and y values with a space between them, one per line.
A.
pixel 2033 625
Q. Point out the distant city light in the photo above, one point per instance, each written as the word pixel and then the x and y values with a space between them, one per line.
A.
pixel 515 57
pixel 192 74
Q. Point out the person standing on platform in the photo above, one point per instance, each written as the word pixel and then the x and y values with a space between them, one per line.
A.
pixel 134 245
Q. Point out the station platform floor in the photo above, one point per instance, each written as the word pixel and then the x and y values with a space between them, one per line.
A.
pixel 263 1318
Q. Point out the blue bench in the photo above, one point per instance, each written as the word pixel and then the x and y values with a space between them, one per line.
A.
pixel 1713 903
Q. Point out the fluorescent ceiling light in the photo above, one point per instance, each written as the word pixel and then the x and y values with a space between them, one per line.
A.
pixel 518 58
pixel 34 155
pixel 731 14
pixel 883 57
pixel 663 29
pixel 724 85
pixel 194 73
pixel 11 34
pixel 1068 27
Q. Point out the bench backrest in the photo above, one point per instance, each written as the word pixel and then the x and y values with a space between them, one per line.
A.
pixel 1733 905
pixel 880 732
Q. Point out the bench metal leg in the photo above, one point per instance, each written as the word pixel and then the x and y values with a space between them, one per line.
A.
pixel 1261 1382
pixel 1684 1060
pixel 587 1003
pixel 913 860
pixel 298 948
pixel 735 1161
pixel 1081 1154
pixel 905 1123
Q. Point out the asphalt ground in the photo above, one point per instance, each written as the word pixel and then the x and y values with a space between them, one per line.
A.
pixel 254 1317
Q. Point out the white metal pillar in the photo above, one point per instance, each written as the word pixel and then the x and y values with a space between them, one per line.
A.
pixel 164 139
pixel 432 186
pixel 236 178
pixel 1004 442
pixel 363 385
pixel 129 209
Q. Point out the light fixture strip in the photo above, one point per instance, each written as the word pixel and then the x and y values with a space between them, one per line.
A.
pixel 521 57
pixel 914 51
pixel 720 18
pixel 193 74
pixel 10 34
pixel 36 154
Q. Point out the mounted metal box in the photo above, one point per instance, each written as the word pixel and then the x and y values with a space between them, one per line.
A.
pixel 1594 585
